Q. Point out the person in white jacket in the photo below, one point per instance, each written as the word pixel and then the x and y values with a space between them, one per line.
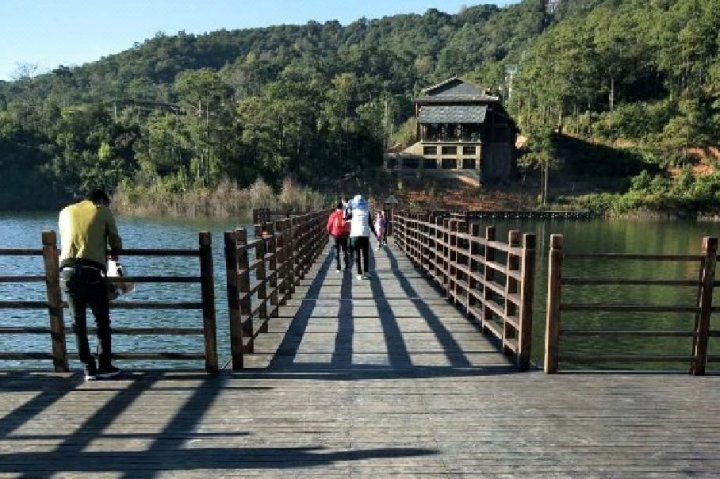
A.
pixel 361 225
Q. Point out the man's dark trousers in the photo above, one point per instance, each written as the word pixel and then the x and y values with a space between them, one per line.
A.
pixel 86 287
pixel 361 245
pixel 341 243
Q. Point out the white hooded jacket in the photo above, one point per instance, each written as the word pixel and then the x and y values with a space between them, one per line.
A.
pixel 360 224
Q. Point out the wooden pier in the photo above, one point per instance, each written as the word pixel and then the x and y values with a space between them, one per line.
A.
pixel 349 378
pixel 362 379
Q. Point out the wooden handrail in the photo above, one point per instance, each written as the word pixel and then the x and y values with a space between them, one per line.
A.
pixel 282 251
pixel 487 279
pixel 54 305
pixel 701 310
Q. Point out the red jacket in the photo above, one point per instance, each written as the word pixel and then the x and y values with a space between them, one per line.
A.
pixel 336 225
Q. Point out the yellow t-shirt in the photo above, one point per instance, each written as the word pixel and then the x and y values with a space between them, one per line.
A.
pixel 86 230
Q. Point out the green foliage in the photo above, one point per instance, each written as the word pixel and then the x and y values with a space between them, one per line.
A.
pixel 684 193
pixel 179 114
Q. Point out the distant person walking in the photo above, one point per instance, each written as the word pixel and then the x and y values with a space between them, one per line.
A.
pixel 360 227
pixel 346 215
pixel 86 230
pixel 339 229
pixel 380 228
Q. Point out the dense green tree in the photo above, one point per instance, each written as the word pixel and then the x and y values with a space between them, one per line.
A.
pixel 320 101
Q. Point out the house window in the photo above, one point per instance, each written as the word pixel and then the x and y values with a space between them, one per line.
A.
pixel 430 150
pixel 468 150
pixel 449 163
pixel 410 163
pixel 430 164
pixel 449 150
pixel 468 163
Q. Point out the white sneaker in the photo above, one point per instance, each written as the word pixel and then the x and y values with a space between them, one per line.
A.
pixel 359 277
pixel 366 276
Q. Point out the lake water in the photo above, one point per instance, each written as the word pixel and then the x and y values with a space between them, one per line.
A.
pixel 618 236
pixel 24 231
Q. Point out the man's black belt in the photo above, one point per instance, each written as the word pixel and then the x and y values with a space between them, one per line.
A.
pixel 81 263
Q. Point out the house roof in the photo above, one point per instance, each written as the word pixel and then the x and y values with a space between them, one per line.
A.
pixel 454 90
pixel 434 114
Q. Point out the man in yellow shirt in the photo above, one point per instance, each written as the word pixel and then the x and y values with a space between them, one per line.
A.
pixel 87 228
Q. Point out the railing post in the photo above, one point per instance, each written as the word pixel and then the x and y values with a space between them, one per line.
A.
pixel 707 283
pixel 420 258
pixel 299 245
pixel 488 275
pixel 244 287
pixel 283 267
pixel 273 269
pixel 552 319
pixel 438 248
pixel 207 286
pixel 233 299
pixel 446 256
pixel 398 230
pixel 511 287
pixel 260 276
pixel 527 294
pixel 54 301
pixel 464 229
pixel 292 254
pixel 472 251
pixel 452 261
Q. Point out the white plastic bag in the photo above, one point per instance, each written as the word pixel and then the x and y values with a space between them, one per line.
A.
pixel 116 270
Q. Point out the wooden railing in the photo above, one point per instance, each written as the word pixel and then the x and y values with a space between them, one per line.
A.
pixel 262 273
pixel 474 215
pixel 267 215
pixel 487 279
pixel 54 306
pixel 701 310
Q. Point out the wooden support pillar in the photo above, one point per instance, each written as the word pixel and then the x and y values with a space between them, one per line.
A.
pixel 233 299
pixel 527 296
pixel 552 319
pixel 260 248
pixel 488 275
pixel 511 288
pixel 54 301
pixel 473 251
pixel 702 332
pixel 273 268
pixel 244 290
pixel 291 254
pixel 207 286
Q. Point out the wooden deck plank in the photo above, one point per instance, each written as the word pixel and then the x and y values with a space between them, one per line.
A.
pixel 362 379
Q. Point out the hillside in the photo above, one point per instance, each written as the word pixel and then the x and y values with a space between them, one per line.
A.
pixel 319 102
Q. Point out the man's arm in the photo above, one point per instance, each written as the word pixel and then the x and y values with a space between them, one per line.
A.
pixel 113 238
pixel 372 223
pixel 328 227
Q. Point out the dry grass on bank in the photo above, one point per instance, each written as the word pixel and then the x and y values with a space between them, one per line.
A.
pixel 226 200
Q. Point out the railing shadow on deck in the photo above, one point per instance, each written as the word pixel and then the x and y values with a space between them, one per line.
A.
pixel 167 450
pixel 341 366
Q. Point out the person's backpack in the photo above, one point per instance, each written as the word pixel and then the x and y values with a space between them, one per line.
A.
pixel 340 226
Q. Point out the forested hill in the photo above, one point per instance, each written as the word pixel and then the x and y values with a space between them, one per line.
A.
pixel 321 101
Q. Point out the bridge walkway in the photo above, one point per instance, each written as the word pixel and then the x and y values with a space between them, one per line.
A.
pixel 373 378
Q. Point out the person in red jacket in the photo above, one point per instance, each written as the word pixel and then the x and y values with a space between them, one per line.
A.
pixel 339 229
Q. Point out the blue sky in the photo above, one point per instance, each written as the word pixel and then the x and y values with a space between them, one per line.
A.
pixel 48 33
